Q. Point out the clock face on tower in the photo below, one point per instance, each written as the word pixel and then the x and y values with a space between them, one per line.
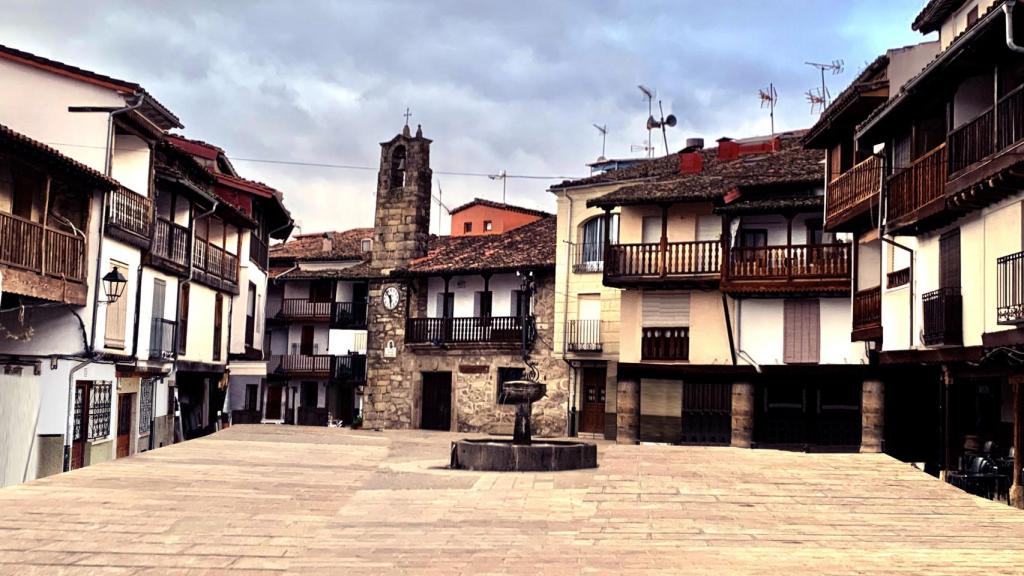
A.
pixel 391 297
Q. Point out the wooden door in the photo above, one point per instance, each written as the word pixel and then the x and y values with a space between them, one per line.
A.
pixel 273 405
pixel 592 418
pixel 306 341
pixel 437 401
pixel 707 413
pixel 81 428
pixel 125 405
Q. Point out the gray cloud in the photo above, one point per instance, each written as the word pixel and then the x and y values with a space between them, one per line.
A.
pixel 497 85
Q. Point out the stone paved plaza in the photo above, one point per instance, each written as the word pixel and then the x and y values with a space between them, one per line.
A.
pixel 267 499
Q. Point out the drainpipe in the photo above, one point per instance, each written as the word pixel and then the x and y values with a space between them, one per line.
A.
pixel 1010 43
pixel 107 169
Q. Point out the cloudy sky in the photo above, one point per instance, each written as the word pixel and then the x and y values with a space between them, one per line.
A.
pixel 512 86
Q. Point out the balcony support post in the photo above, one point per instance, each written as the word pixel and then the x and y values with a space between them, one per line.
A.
pixel 663 248
pixel 789 245
pixel 1017 489
pixel 46 222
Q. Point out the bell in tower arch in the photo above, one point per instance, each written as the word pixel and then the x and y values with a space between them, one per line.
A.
pixel 397 167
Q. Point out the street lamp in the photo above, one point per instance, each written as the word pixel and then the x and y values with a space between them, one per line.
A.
pixel 113 284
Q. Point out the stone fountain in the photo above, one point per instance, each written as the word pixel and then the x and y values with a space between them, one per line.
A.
pixel 521 454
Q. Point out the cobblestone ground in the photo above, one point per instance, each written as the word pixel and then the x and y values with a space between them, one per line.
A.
pixel 269 499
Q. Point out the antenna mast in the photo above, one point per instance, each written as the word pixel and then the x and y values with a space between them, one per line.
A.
pixel 503 176
pixel 603 129
pixel 836 67
pixel 650 116
pixel 769 98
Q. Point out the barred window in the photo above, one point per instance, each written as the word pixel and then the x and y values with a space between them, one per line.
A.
pixel 146 400
pixel 99 410
pixel 78 412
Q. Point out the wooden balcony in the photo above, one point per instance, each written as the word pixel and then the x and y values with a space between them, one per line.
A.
pixel 129 217
pixel 665 343
pixel 943 317
pixel 583 336
pixel 1010 289
pixel 350 368
pixel 258 251
pixel 867 315
pixel 169 249
pixel 809 268
pixel 851 195
pixel 349 315
pixel 987 146
pixel 297 365
pixel 499 330
pixel 915 196
pixel 897 278
pixel 688 263
pixel 304 309
pixel 41 261
pixel 213 266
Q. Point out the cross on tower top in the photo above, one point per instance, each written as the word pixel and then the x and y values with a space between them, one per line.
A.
pixel 407 116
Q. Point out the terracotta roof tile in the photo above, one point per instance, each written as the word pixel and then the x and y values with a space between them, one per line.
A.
pixel 346 245
pixel 500 206
pixel 531 246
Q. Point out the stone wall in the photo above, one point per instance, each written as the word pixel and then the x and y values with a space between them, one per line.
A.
pixel 389 400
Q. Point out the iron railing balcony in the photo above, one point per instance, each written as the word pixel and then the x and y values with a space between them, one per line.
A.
pixel 349 315
pixel 1010 289
pixel 943 317
pixel 583 336
pixel 350 368
pixel 587 257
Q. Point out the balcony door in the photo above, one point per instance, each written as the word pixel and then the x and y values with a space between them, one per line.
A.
pixel 306 341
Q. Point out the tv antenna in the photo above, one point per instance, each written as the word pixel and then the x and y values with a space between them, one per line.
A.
pixel 441 205
pixel 503 176
pixel 604 135
pixel 818 100
pixel 650 115
pixel 768 98
pixel 836 67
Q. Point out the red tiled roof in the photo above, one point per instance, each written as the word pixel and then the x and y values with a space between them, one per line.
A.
pixel 499 206
pixel 934 13
pixel 195 147
pixel 345 245
pixel 53 157
pixel 531 246
pixel 161 116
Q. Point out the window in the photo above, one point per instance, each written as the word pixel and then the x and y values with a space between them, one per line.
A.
pixel 250 316
pixel 802 332
pixel 972 16
pixel 507 374
pixel 218 324
pixel 592 242
pixel 309 394
pixel 366 244
pixel 467 227
pixel 99 410
pixel 488 226
pixel 397 177
pixel 117 312
pixel 183 318
pixel 753 237
pixel 252 392
pixel 482 304
pixel 520 304
pixel 146 400
pixel 445 305
pixel 949 259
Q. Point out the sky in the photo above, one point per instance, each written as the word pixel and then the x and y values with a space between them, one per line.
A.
pixel 498 86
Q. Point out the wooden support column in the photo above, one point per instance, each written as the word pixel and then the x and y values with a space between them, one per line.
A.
pixel 1017 489
pixel 606 239
pixel 947 420
pixel 46 222
pixel 663 248
pixel 742 415
pixel 789 245
pixel 872 415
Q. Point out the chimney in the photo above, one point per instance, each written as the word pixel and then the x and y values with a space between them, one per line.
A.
pixel 691 163
pixel 327 243
pixel 728 149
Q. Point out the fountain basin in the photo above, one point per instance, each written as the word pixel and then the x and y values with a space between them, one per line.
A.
pixel 506 456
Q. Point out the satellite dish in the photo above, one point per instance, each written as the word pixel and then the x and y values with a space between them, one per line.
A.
pixel 670 120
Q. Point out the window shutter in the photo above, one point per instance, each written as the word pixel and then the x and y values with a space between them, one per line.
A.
pixel 802 332
pixel 117 313
pixel 666 309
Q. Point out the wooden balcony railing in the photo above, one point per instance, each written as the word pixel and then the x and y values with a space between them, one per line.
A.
pixel 31 246
pixel 587 257
pixel 898 278
pixel 131 213
pixel 665 344
pixel 677 259
pixel 1010 119
pixel 304 308
pixel 313 364
pixel 215 261
pixel 583 336
pixel 848 190
pixel 1010 289
pixel 350 367
pixel 170 242
pixel 943 317
pixel 476 330
pixel 917 185
pixel 867 308
pixel 790 262
pixel 161 339
pixel 349 314
pixel 988 133
pixel 258 251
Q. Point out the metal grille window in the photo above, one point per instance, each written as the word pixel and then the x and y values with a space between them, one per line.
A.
pixel 99 410
pixel 78 413
pixel 146 406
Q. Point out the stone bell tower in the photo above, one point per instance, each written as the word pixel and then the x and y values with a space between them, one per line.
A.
pixel 401 231
pixel 402 222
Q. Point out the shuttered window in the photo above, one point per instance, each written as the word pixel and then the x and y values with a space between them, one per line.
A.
pixel 949 259
pixel 666 309
pixel 117 313
pixel 802 333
